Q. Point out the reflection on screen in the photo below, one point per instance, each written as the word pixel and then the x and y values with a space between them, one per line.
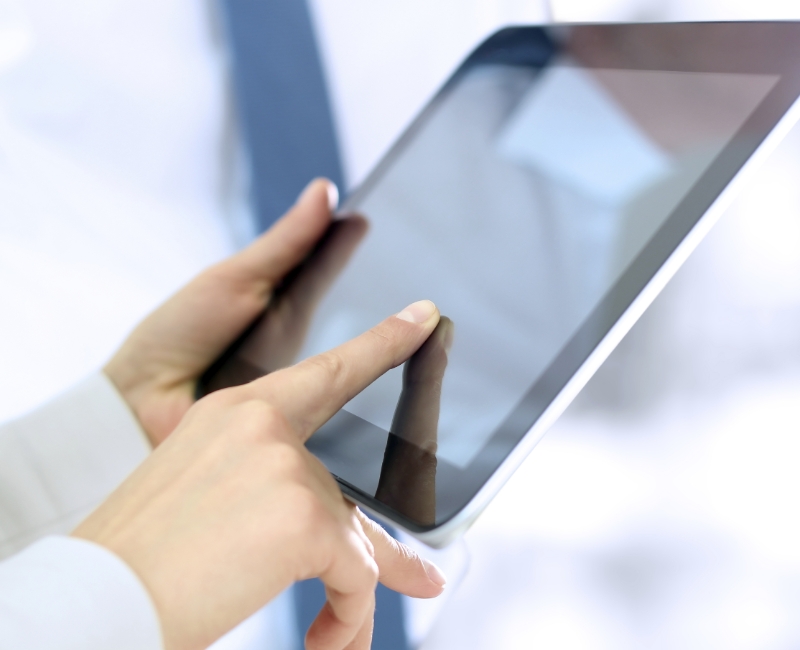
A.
pixel 516 206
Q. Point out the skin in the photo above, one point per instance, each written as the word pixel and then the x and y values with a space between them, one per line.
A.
pixel 230 509
pixel 157 368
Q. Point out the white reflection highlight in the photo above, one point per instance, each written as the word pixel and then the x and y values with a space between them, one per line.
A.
pixel 568 127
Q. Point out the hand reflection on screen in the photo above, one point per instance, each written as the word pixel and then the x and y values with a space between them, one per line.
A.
pixel 408 473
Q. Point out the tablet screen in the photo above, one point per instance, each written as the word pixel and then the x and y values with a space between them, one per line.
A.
pixel 516 206
pixel 522 201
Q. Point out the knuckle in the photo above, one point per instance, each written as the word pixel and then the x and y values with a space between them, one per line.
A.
pixel 370 548
pixel 290 462
pixel 360 528
pixel 382 336
pixel 331 364
pixel 258 412
pixel 366 565
pixel 217 400
pixel 371 571
pixel 236 277
pixel 405 553
pixel 257 421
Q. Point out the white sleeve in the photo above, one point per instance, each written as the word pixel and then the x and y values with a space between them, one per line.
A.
pixel 60 461
pixel 63 593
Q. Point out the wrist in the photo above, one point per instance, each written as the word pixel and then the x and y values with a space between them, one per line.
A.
pixel 157 409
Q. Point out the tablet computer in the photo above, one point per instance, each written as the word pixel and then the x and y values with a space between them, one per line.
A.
pixel 542 199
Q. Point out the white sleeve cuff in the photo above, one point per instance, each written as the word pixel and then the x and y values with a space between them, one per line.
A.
pixel 64 593
pixel 60 461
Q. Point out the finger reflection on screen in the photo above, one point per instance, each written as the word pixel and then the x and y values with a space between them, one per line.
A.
pixel 408 473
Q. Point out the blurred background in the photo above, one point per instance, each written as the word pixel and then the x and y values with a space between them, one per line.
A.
pixel 662 511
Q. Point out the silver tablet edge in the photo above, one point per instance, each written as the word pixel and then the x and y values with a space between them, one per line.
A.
pixel 455 527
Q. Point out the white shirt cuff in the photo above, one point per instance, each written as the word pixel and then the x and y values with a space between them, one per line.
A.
pixel 60 461
pixel 64 593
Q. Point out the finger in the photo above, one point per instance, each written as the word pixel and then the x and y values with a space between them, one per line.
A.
pixel 350 582
pixel 317 637
pixel 315 389
pixel 363 640
pixel 400 567
pixel 268 259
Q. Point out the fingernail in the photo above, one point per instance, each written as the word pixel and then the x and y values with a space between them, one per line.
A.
pixel 418 312
pixel 333 196
pixel 434 573
pixel 331 189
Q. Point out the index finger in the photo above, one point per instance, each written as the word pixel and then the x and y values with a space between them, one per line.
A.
pixel 312 391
